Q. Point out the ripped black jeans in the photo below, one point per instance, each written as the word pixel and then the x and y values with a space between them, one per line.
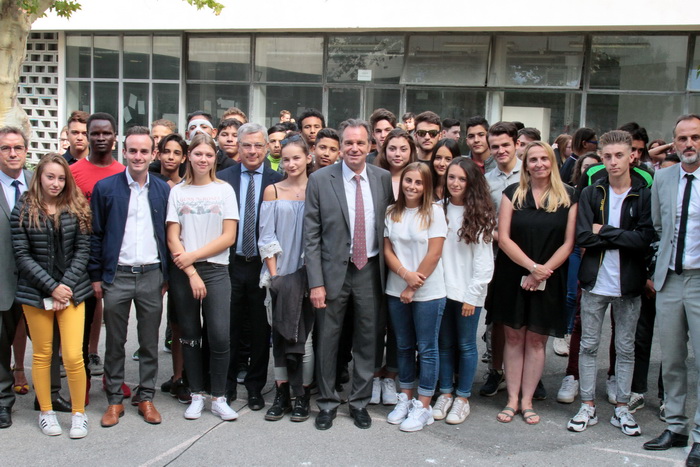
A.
pixel 216 311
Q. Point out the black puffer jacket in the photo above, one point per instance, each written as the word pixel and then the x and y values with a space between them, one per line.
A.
pixel 35 253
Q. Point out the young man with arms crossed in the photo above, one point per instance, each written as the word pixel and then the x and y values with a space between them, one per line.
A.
pixel 614 226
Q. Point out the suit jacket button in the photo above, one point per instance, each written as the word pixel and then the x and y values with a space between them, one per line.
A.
pixel 345 263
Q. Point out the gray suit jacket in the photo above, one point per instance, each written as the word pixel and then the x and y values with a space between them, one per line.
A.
pixel 327 238
pixel 8 268
pixel 664 202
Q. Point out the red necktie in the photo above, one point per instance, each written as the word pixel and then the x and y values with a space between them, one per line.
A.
pixel 359 242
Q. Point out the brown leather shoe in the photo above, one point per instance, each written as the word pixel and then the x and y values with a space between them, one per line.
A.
pixel 111 416
pixel 149 412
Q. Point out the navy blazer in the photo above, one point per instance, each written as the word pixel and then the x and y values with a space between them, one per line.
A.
pixel 110 207
pixel 232 175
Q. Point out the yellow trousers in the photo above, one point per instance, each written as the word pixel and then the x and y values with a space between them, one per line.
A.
pixel 71 322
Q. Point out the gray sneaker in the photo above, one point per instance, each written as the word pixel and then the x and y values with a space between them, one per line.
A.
pixel 95 364
pixel 625 422
pixel 636 402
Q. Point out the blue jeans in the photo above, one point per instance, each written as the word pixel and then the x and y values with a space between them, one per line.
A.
pixel 572 288
pixel 457 331
pixel 417 325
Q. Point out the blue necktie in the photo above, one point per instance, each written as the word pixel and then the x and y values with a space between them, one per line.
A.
pixel 16 184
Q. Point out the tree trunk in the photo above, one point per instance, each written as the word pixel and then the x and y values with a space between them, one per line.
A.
pixel 15 25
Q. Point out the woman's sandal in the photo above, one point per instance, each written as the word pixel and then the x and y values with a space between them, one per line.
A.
pixel 20 389
pixel 529 418
pixel 508 414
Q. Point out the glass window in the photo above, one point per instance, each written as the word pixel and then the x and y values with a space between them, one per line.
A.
pixel 694 72
pixel 107 98
pixel 217 98
pixel 106 56
pixel 552 113
pixel 447 103
pixel 137 57
pixel 343 103
pixel 605 112
pixel 289 59
pixel 389 99
pixel 551 61
pixel 644 63
pixel 374 59
pixel 447 60
pixel 219 58
pixel 166 101
pixel 166 57
pixel 135 105
pixel 269 100
pixel 694 107
pixel 78 56
pixel 77 96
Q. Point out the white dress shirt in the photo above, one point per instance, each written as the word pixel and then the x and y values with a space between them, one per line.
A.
pixel 139 246
pixel 370 220
pixel 691 254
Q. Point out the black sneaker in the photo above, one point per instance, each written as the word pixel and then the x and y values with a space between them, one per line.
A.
pixel 495 381
pixel 540 392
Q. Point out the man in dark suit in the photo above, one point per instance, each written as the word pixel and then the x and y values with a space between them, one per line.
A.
pixel 675 210
pixel 344 235
pixel 15 181
pixel 249 180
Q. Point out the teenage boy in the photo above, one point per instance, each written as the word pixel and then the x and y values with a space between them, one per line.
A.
pixel 327 148
pixel 477 141
pixel 615 228
pixel 227 139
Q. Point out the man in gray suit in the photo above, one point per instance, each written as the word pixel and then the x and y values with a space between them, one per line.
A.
pixel 344 235
pixel 15 181
pixel 676 214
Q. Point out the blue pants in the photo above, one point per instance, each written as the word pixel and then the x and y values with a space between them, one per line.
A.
pixel 458 332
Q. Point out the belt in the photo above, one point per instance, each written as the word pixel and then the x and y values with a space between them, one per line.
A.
pixel 138 269
pixel 247 259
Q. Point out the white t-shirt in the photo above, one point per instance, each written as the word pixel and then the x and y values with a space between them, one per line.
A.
pixel 608 281
pixel 468 267
pixel 410 244
pixel 200 210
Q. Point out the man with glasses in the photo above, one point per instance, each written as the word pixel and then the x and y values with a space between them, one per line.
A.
pixel 428 128
pixel 249 180
pixel 15 181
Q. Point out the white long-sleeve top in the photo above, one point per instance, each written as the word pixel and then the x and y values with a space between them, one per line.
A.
pixel 468 267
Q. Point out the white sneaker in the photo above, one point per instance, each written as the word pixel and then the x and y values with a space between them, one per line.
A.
pixel 400 411
pixel 460 411
pixel 220 407
pixel 624 420
pixel 442 406
pixel 49 424
pixel 78 426
pixel 418 417
pixel 611 389
pixel 585 417
pixel 560 346
pixel 376 391
pixel 194 410
pixel 636 402
pixel 568 390
pixel 389 396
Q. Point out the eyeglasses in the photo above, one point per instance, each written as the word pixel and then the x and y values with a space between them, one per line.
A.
pixel 249 146
pixel 593 141
pixel 432 133
pixel 6 150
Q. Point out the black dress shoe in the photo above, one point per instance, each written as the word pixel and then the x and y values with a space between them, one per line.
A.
pixel 255 400
pixel 667 440
pixel 361 417
pixel 59 404
pixel 693 459
pixel 5 417
pixel 324 419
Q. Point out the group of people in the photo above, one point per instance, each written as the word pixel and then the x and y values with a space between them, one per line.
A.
pixel 332 250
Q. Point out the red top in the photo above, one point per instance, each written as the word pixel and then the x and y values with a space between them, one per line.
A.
pixel 86 174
